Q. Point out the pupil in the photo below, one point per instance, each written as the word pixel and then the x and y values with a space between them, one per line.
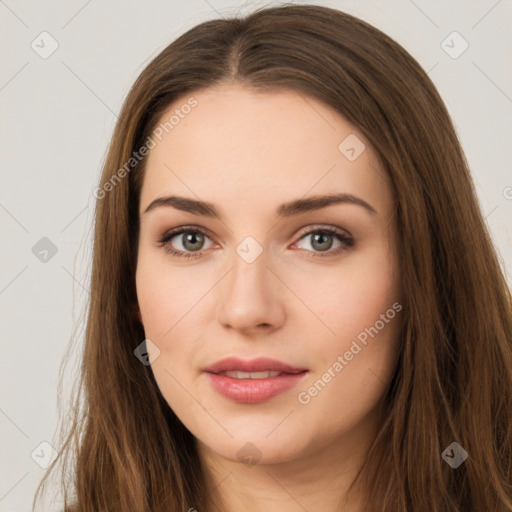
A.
pixel 192 238
pixel 322 238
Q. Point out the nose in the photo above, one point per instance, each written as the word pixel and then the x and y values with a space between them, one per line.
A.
pixel 251 297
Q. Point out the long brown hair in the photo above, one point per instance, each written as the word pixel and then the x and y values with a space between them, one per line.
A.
pixel 126 450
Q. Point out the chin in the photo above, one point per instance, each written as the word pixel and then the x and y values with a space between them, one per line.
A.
pixel 256 451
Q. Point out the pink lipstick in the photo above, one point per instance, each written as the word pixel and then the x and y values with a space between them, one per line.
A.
pixel 252 381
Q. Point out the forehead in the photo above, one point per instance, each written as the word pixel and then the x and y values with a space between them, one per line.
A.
pixel 264 147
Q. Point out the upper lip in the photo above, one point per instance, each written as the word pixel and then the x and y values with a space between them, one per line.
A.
pixel 260 364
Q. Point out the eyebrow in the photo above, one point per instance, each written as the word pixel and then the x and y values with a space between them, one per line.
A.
pixel 290 209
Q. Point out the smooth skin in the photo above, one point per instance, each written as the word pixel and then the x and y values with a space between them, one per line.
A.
pixel 247 153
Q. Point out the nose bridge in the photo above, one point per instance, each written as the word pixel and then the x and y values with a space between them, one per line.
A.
pixel 249 268
pixel 250 297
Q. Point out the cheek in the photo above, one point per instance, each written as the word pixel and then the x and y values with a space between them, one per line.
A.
pixel 166 294
pixel 350 297
pixel 166 299
pixel 356 362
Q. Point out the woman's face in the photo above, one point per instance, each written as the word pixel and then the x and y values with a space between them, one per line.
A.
pixel 274 272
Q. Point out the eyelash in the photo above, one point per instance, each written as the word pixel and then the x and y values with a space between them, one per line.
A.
pixel 169 235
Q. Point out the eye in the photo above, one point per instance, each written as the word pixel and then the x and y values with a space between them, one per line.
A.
pixel 190 242
pixel 188 239
pixel 321 241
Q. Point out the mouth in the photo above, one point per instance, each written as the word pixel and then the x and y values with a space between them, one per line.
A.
pixel 252 366
pixel 253 381
pixel 251 375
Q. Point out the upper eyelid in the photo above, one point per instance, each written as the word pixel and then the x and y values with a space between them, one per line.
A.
pixel 168 235
pixel 171 233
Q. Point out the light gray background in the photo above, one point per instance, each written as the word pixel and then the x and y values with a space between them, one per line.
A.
pixel 57 115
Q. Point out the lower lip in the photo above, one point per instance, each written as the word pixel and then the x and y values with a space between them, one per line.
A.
pixel 253 391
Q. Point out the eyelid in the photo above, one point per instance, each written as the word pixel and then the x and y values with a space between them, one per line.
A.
pixel 171 233
pixel 184 229
pixel 343 236
pixel 320 227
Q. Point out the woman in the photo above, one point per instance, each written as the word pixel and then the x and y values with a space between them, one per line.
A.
pixel 296 304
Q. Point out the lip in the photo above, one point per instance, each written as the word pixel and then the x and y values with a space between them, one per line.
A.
pixel 260 364
pixel 253 391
